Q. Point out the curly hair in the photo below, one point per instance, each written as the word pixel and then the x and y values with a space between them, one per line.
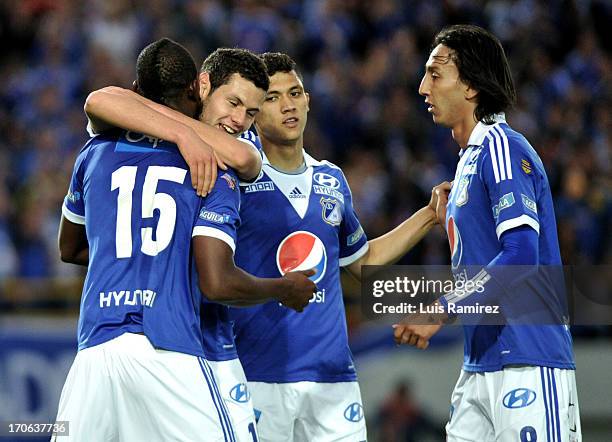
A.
pixel 225 62
pixel 482 65
pixel 164 70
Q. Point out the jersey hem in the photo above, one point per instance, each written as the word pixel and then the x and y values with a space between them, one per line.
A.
pixel 302 378
pixel 473 368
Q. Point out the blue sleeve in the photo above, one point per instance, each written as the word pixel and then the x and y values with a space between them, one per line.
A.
pixel 73 208
pixel 219 210
pixel 353 240
pixel 509 177
pixel 516 262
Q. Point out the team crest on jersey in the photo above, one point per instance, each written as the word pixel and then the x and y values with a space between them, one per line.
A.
pixel 526 166
pixel 462 192
pixel 331 213
pixel 455 243
pixel 230 180
pixel 302 251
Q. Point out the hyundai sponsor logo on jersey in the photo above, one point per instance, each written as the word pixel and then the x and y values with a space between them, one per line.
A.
pixel 261 186
pixel 328 191
pixel 454 240
pixel 302 251
pixel 240 393
pixel 327 180
pixel 519 398
pixel 354 412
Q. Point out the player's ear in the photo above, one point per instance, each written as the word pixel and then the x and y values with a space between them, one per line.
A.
pixel 470 93
pixel 194 90
pixel 204 84
pixel 307 95
pixel 135 87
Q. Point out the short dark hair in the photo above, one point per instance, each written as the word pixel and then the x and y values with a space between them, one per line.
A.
pixel 482 65
pixel 278 62
pixel 164 70
pixel 225 62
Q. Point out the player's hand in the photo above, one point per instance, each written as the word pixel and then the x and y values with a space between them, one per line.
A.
pixel 438 201
pixel 201 160
pixel 417 329
pixel 301 291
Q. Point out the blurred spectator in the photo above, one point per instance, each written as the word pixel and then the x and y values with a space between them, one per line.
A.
pixel 402 419
pixel 362 63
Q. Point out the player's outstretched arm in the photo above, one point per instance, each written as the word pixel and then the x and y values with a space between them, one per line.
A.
pixel 72 242
pixel 236 154
pixel 221 281
pixel 391 246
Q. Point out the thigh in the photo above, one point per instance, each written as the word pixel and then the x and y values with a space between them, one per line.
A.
pixel 470 419
pixel 237 397
pixel 537 404
pixel 86 400
pixel 274 406
pixel 330 412
pixel 165 396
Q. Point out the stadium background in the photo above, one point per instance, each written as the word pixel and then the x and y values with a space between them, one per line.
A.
pixel 362 62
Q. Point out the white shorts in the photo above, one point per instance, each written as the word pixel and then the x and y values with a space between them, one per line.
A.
pixel 308 411
pixel 234 391
pixel 516 404
pixel 124 389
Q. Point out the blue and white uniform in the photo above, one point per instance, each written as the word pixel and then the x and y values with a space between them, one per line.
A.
pixel 298 365
pixel 139 336
pixel 518 381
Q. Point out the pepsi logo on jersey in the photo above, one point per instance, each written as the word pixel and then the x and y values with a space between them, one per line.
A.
pixel 454 240
pixel 302 250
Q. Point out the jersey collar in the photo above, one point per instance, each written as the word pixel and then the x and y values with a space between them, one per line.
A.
pixel 310 161
pixel 481 130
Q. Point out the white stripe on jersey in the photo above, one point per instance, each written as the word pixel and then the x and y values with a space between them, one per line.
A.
pixel 214 233
pixel 500 154
pixel 72 217
pixel 506 151
pixel 493 157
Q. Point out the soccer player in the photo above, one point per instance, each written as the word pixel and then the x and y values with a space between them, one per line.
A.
pixel 299 214
pixel 518 380
pixel 233 83
pixel 130 215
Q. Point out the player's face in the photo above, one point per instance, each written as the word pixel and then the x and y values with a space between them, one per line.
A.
pixel 284 113
pixel 232 106
pixel 446 95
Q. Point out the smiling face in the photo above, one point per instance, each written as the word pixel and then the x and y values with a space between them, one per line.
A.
pixel 450 100
pixel 284 113
pixel 232 106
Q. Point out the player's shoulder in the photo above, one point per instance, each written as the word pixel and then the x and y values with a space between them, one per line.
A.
pixel 251 138
pixel 503 146
pixel 325 172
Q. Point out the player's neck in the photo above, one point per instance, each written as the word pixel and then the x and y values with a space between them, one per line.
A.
pixel 463 129
pixel 285 157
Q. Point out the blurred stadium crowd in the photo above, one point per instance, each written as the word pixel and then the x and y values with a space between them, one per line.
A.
pixel 362 63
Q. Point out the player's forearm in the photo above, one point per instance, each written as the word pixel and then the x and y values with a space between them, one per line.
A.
pixel 390 247
pixel 238 288
pixel 238 155
pixel 124 110
pixel 242 158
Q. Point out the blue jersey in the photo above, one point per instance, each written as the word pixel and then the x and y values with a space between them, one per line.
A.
pixel 501 184
pixel 297 222
pixel 134 196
